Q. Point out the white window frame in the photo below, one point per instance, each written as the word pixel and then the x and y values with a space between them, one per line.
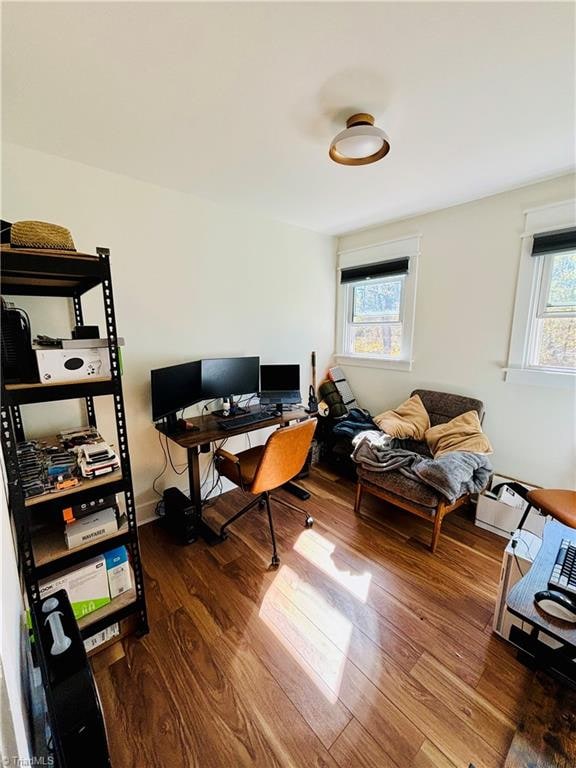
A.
pixel 533 275
pixel 406 247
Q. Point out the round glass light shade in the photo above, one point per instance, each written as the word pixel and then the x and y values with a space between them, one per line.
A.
pixel 359 145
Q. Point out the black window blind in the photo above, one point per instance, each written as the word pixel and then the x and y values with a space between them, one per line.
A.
pixel 552 242
pixel 373 271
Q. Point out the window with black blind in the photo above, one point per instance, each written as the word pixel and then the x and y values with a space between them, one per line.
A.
pixel 377 303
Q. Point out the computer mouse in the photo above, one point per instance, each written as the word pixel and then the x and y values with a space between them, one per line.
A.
pixel 556 604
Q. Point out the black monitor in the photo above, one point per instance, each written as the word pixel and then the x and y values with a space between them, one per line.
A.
pixel 174 388
pixel 228 376
pixel 279 378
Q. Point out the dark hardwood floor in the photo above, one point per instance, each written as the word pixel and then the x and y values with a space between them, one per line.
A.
pixel 546 734
pixel 362 650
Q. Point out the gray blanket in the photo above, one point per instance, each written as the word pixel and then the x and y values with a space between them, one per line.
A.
pixel 452 474
pixel 378 452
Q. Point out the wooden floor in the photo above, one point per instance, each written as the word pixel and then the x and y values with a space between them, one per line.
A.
pixel 546 734
pixel 362 650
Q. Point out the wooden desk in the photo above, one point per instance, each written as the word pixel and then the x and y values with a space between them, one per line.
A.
pixel 520 602
pixel 196 441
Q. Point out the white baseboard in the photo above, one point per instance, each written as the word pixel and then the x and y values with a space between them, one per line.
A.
pixel 146 513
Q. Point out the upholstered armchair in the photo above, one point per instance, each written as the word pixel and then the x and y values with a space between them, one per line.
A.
pixel 413 495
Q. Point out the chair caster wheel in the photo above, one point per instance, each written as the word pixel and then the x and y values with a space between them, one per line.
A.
pixel 275 561
pixel 223 535
pixel 309 522
pixel 261 504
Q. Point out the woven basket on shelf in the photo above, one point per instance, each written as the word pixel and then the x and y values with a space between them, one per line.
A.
pixel 40 234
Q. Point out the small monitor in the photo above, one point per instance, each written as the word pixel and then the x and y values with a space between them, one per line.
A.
pixel 174 388
pixel 227 376
pixel 279 378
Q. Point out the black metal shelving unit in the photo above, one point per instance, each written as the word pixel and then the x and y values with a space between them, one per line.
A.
pixel 28 272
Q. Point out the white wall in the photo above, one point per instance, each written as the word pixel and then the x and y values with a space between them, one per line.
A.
pixel 465 300
pixel 192 279
pixel 14 734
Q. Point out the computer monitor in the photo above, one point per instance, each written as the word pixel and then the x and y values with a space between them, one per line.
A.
pixel 174 388
pixel 229 376
pixel 279 378
pixel 280 384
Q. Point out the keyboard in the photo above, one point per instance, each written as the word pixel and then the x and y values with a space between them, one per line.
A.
pixel 237 422
pixel 563 576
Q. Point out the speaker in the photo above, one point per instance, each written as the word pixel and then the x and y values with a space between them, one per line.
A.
pixel 18 358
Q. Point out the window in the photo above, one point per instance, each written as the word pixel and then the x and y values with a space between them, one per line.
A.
pixel 376 304
pixel 543 342
pixel 375 311
pixel 553 332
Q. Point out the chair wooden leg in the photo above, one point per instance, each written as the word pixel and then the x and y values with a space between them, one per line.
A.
pixel 437 526
pixel 358 501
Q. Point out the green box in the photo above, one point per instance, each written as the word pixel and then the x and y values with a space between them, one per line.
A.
pixel 86 586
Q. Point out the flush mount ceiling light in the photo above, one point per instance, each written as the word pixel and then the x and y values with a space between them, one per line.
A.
pixel 361 143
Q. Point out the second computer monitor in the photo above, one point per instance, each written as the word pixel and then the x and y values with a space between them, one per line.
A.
pixel 174 388
pixel 226 376
pixel 280 384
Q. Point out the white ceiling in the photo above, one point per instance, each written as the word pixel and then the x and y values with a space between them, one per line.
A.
pixel 237 102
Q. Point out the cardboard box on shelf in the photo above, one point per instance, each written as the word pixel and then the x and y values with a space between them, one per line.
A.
pixel 86 586
pixel 99 638
pixel 502 513
pixel 78 511
pixel 118 570
pixel 91 528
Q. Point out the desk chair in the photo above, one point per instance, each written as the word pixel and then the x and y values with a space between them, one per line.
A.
pixel 559 504
pixel 262 469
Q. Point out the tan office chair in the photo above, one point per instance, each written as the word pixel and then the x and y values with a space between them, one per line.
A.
pixel 264 468
pixel 554 502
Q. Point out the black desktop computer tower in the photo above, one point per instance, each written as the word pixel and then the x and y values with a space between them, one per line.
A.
pixel 179 517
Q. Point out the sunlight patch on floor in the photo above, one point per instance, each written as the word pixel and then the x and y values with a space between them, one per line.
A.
pixel 321 553
pixel 322 656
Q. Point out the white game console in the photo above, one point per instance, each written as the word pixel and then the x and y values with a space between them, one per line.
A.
pixel 60 365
